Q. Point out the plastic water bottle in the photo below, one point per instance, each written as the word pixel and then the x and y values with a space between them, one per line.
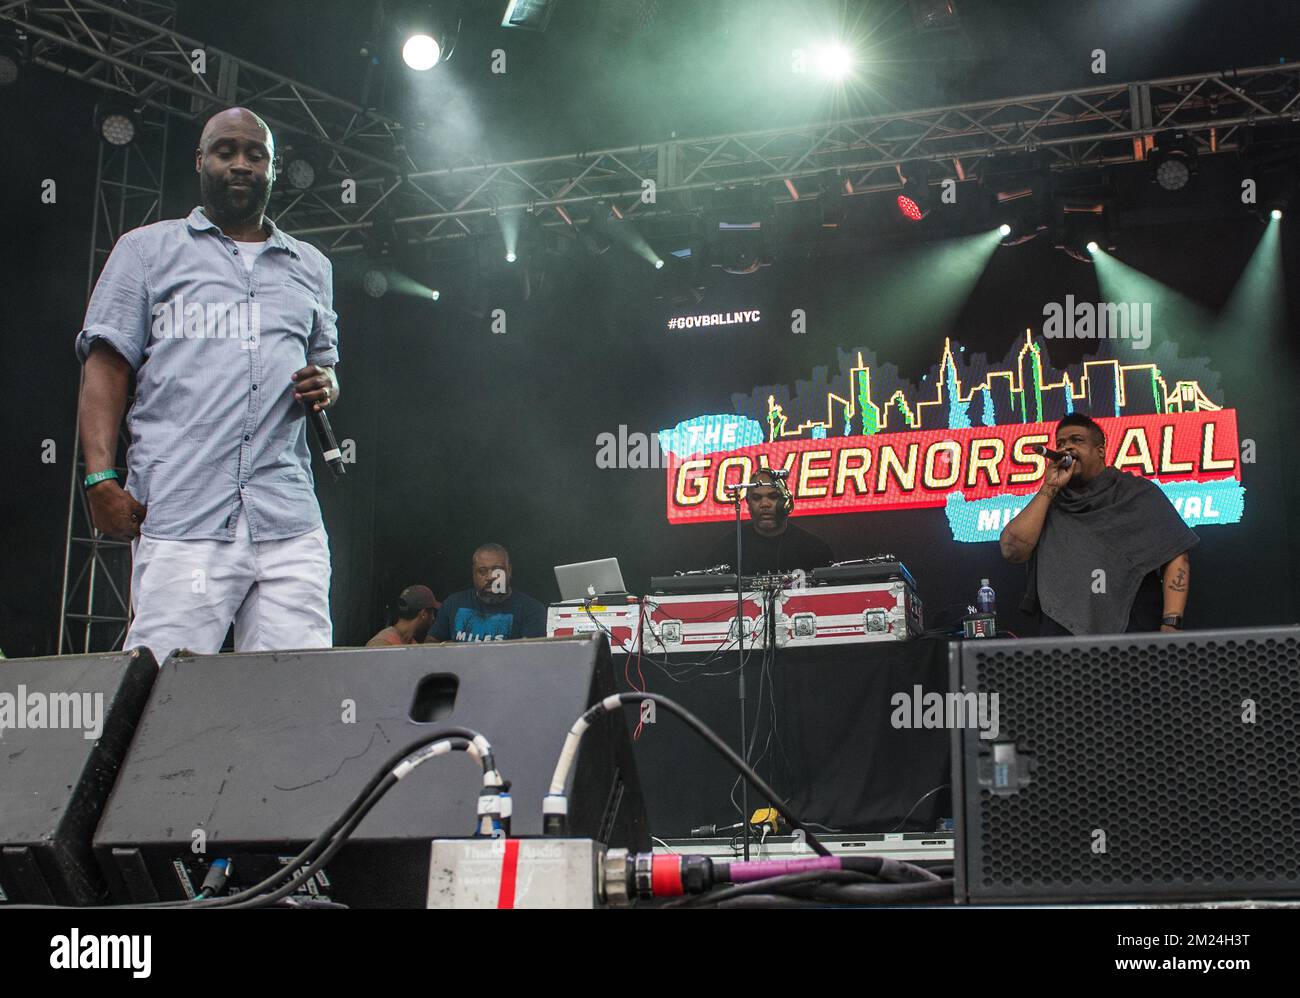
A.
pixel 986 599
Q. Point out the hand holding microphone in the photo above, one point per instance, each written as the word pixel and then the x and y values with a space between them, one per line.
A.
pixel 1061 469
pixel 317 388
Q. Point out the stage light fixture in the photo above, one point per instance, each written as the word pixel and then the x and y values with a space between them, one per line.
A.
pixel 1018 207
pixel 116 123
pixel 659 264
pixel 531 15
pixel 1084 231
pixel 15 52
pixel 741 247
pixel 594 234
pixel 832 197
pixel 1173 160
pixel 1276 214
pixel 300 173
pixel 511 257
pixel 375 283
pixel 435 294
pixel 914 199
pixel 421 52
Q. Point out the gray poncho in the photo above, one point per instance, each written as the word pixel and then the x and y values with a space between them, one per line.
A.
pixel 1119 523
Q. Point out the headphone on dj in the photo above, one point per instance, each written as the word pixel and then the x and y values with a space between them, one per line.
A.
pixel 787 497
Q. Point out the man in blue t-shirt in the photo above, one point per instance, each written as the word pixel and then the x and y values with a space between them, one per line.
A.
pixel 491 610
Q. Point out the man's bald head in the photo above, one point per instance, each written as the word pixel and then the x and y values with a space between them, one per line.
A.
pixel 237 121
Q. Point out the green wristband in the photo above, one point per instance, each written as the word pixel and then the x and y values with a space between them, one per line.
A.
pixel 97 477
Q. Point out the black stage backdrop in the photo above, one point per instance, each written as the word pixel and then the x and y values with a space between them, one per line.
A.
pixel 489 436
pixel 463 435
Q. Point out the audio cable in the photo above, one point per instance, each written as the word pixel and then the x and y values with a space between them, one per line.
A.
pixel 555 805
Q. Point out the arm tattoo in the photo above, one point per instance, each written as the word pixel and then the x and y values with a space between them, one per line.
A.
pixel 1178 583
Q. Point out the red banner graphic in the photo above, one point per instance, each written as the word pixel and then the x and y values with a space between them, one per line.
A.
pixel 922 468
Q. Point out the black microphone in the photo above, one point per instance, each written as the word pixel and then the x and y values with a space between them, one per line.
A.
pixel 1055 455
pixel 325 434
pixel 709 831
pixel 781 473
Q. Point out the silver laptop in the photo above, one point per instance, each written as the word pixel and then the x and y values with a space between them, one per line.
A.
pixel 585 579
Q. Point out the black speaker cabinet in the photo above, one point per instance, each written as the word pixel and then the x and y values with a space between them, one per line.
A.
pixel 251 756
pixel 1131 767
pixel 65 724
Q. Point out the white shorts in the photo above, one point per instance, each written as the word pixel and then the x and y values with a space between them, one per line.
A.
pixel 186 594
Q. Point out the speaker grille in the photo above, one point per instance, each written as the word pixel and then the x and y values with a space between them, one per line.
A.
pixel 1155 766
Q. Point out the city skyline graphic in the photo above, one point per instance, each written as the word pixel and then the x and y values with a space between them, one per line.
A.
pixel 1024 390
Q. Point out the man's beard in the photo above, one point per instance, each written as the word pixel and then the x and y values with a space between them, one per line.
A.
pixel 493 598
pixel 219 202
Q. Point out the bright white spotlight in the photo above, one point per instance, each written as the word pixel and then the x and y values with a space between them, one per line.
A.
pixel 659 265
pixel 1004 230
pixel 834 61
pixel 435 294
pixel 1276 214
pixel 421 52
pixel 511 258
pixel 1092 247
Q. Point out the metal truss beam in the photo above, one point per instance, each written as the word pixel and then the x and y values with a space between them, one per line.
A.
pixel 131 48
pixel 1074 129
pixel 95 600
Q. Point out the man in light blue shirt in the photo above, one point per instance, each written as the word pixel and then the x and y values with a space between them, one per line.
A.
pixel 229 328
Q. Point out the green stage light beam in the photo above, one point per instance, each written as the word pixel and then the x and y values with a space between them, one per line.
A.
pixel 1175 318
pixel 626 234
pixel 511 223
pixel 910 297
pixel 402 284
pixel 1255 315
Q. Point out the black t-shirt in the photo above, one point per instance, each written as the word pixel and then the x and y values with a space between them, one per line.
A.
pixel 793 548
pixel 465 617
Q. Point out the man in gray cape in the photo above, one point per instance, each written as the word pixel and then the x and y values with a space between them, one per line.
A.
pixel 1107 551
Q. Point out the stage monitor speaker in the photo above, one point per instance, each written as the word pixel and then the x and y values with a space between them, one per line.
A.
pixel 65 725
pixel 251 756
pixel 1130 768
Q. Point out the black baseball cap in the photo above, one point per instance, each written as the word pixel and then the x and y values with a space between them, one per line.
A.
pixel 414 599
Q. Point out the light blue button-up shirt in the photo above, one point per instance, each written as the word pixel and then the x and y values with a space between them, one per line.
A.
pixel 215 431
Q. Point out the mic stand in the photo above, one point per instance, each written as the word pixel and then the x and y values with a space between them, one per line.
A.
pixel 740 673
